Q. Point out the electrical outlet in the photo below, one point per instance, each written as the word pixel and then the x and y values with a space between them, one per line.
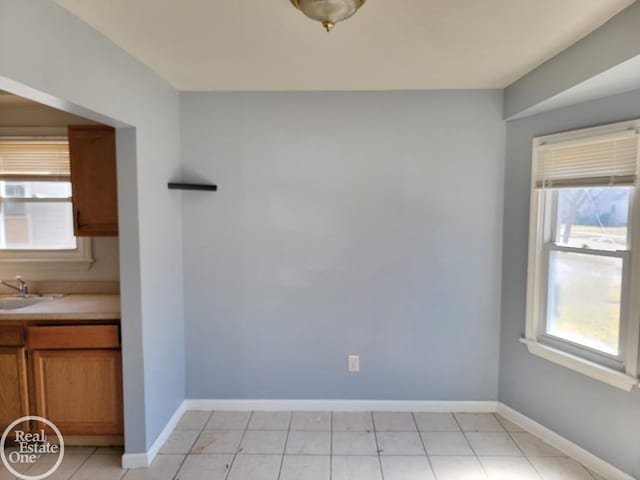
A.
pixel 353 363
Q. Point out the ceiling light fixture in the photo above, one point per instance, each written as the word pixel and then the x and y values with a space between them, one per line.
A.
pixel 328 12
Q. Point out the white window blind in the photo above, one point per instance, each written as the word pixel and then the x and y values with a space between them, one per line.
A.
pixel 602 161
pixel 24 160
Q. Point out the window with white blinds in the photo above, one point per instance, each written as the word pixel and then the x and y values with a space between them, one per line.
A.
pixel 31 160
pixel 36 198
pixel 583 273
pixel 598 161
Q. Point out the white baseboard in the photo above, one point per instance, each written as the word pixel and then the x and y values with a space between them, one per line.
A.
pixel 269 405
pixel 143 460
pixel 567 447
pixel 135 460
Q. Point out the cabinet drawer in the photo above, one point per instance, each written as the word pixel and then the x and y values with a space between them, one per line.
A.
pixel 11 336
pixel 71 337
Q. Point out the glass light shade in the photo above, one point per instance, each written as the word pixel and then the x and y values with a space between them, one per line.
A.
pixel 328 12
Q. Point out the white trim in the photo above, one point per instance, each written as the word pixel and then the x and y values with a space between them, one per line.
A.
pixel 487 406
pixel 81 256
pixel 135 460
pixel 567 447
pixel 578 364
pixel 32 268
pixel 627 130
pixel 143 460
pixel 633 326
pixel 608 131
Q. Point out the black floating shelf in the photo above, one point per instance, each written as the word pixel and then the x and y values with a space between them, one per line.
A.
pixel 192 186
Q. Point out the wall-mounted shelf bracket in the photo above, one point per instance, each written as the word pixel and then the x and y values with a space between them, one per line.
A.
pixel 192 186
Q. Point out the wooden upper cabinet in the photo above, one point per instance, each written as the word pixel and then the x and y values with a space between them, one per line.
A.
pixel 92 150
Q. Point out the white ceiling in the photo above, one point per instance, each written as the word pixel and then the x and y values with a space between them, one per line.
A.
pixel 388 45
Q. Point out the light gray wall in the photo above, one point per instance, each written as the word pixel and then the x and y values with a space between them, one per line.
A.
pixel 615 42
pixel 50 56
pixel 598 417
pixel 365 223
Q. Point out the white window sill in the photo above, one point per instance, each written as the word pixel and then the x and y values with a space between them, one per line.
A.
pixel 79 259
pixel 591 369
pixel 48 264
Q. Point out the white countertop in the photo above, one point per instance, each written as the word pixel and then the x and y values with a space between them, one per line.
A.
pixel 69 307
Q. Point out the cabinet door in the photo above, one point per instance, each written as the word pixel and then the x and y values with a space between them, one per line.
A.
pixel 13 380
pixel 92 150
pixel 79 390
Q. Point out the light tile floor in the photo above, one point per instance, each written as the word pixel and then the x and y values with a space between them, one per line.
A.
pixel 333 446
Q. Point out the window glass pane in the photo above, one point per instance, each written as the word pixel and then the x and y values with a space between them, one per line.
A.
pixel 37 224
pixel 593 218
pixel 584 299
pixel 36 189
pixel 26 225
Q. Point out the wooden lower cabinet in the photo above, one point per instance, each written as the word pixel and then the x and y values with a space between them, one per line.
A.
pixel 70 374
pixel 14 399
pixel 79 390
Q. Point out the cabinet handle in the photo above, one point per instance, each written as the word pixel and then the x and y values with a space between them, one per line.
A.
pixel 78 224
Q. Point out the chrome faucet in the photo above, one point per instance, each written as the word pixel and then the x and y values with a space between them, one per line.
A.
pixel 23 288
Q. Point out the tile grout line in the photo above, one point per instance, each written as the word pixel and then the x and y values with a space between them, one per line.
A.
pixel 378 449
pixel 519 448
pixel 286 442
pixel 125 473
pixel 204 425
pixel 238 448
pixel 475 455
pixel 331 448
pixel 424 446
pixel 78 467
pixel 543 456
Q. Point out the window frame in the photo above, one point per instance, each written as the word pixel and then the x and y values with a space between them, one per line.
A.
pixel 81 256
pixel 621 372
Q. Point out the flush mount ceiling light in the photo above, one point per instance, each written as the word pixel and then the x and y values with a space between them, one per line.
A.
pixel 328 12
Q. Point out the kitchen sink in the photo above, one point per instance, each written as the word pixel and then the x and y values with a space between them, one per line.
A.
pixel 16 302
